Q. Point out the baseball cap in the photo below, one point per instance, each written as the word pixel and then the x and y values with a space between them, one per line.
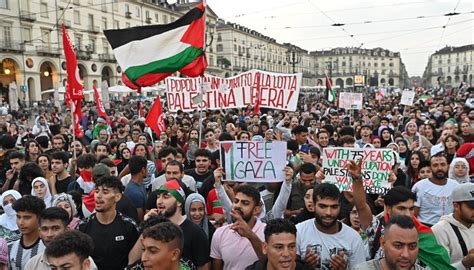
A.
pixel 100 120
pixel 464 193
pixel 100 170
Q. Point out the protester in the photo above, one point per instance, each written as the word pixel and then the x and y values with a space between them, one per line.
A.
pixel 400 245
pixel 279 247
pixel 456 231
pixel 113 233
pixel 66 202
pixel 72 250
pixel 28 211
pixel 8 218
pixel 42 191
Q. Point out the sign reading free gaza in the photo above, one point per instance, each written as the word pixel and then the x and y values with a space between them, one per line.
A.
pixel 376 167
pixel 254 161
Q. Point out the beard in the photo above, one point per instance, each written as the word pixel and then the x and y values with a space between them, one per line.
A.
pixel 440 175
pixel 170 211
pixel 392 263
pixel 245 217
pixel 319 221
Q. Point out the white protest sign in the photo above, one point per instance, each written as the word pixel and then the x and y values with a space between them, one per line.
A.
pixel 407 98
pixel 272 90
pixel 376 167
pixel 254 161
pixel 350 101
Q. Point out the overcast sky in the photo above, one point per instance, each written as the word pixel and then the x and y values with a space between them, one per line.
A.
pixel 380 23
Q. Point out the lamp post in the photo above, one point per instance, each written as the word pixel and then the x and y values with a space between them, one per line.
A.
pixel 293 58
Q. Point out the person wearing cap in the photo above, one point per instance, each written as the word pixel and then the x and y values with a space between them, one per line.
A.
pixel 456 231
pixel 101 125
pixel 169 203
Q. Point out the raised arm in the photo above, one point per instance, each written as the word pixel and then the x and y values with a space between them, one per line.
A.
pixel 360 201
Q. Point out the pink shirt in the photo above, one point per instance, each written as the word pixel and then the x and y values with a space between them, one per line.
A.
pixel 234 250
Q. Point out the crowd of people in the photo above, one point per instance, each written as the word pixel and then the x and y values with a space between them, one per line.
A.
pixel 123 197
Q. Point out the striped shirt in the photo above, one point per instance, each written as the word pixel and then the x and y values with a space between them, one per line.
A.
pixel 20 255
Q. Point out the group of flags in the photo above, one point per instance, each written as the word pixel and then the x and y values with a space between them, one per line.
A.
pixel 147 55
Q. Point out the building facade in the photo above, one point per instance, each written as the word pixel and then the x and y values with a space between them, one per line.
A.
pixel 31 50
pixel 380 67
pixel 449 67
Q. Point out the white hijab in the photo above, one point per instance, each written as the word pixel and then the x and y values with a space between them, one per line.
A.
pixel 48 198
pixel 8 219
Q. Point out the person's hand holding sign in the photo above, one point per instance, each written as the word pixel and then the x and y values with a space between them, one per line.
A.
pixel 288 174
pixel 218 174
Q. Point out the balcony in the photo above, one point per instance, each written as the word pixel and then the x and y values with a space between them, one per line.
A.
pixel 105 57
pixel 148 20
pixel 47 50
pixel 128 15
pixel 8 45
pixel 93 29
pixel 27 16
pixel 248 55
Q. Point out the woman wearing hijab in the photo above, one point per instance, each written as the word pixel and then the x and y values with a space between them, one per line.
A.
pixel 8 219
pixel 66 202
pixel 459 170
pixel 41 190
pixel 386 136
pixel 195 208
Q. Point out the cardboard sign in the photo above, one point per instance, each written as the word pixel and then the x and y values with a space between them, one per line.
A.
pixel 376 167
pixel 407 98
pixel 350 101
pixel 254 161
pixel 273 90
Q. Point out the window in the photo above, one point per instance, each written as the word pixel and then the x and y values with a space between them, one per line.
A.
pixel 157 17
pixel 26 33
pixel 104 23
pixel 219 48
pixel 235 47
pixel 165 19
pixel 115 5
pixel 127 25
pixel 78 41
pixel 91 20
pixel 137 12
pixel 376 65
pixel 147 14
pixel 77 17
pixel 44 10
pixel 440 71
pixel 3 3
pixel 383 64
pixel 103 5
pixel 116 24
pixel 92 44
pixel 105 46
pixel 7 35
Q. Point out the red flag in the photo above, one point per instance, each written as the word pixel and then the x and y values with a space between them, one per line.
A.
pixel 74 87
pixel 256 108
pixel 100 105
pixel 76 108
pixel 155 118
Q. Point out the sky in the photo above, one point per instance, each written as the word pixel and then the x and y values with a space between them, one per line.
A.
pixel 415 28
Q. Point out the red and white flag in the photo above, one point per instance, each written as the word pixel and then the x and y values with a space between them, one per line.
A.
pixel 74 87
pixel 155 118
pixel 100 105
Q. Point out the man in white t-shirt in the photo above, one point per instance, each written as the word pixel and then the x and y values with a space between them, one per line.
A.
pixel 324 242
pixel 434 194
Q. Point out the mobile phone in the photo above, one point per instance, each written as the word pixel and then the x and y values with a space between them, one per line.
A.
pixel 305 148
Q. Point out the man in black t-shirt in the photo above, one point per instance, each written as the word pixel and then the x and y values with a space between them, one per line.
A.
pixel 61 178
pixel 203 165
pixel 113 234
pixel 169 203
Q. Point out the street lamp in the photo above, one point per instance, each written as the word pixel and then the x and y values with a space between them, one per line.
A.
pixel 293 58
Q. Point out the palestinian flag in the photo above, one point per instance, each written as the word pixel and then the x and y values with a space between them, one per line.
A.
pixel 426 98
pixel 331 95
pixel 149 54
pixel 430 252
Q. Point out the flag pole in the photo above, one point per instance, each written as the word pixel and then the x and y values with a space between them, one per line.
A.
pixel 139 103
pixel 202 76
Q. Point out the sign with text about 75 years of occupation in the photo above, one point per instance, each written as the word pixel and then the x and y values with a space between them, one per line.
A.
pixel 254 161
pixel 350 101
pixel 376 167
pixel 272 90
